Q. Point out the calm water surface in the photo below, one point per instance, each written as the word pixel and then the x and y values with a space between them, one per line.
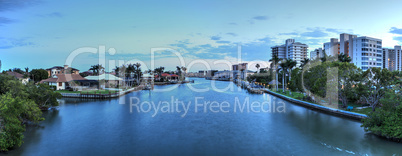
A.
pixel 105 127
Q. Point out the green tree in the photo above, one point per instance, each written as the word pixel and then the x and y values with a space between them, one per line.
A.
pixel 387 120
pixel 43 95
pixel 344 58
pixel 375 83
pixel 38 74
pixel 348 77
pixel 304 62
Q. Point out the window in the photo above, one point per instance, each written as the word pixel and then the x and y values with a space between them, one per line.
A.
pixel 60 84
pixel 364 63
pixel 364 58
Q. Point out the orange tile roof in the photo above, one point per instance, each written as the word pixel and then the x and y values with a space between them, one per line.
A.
pixel 64 78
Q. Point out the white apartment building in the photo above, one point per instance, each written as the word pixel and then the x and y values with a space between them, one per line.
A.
pixel 332 48
pixel 291 50
pixel 366 52
pixel 316 54
pixel 392 58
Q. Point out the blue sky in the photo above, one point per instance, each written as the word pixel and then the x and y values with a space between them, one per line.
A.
pixel 43 33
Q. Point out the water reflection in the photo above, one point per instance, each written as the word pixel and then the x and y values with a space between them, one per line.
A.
pixel 105 127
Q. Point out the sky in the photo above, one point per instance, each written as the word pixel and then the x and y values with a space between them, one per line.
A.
pixel 205 34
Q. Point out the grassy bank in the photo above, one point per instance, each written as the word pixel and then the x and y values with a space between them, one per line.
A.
pixel 300 96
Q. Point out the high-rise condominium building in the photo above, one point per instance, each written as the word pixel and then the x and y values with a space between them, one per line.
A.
pixel 316 54
pixel 366 52
pixel 332 48
pixel 291 50
pixel 344 43
pixel 392 58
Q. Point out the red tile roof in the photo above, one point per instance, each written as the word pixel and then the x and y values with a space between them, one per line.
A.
pixel 64 78
pixel 15 74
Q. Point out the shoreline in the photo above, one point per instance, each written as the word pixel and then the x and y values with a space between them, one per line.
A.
pixel 311 106
pixel 101 96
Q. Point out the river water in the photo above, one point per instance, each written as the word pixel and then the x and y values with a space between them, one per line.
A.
pixel 271 126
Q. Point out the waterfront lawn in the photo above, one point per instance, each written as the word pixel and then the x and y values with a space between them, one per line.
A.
pixel 295 95
pixel 89 91
pixel 365 111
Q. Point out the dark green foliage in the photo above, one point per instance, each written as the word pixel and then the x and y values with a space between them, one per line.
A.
pixel 20 104
pixel 38 75
pixel 387 120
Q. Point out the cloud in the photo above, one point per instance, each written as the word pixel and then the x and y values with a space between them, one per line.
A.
pixel 215 38
pixel 316 34
pixel 222 41
pixel 292 33
pixel 232 23
pixel 395 30
pixel 7 43
pixel 10 5
pixel 53 14
pixel 4 20
pixel 232 34
pixel 398 38
pixel 260 17
pixel 339 31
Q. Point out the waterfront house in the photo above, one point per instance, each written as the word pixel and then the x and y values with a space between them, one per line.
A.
pixel 19 76
pixel 61 70
pixel 66 81
pixel 168 77
pixel 106 80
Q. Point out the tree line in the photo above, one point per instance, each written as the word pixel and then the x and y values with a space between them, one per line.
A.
pixel 335 79
pixel 21 105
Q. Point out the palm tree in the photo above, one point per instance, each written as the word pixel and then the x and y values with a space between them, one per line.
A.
pixel 304 62
pixel 94 69
pixel 258 67
pixel 290 65
pixel 117 70
pixel 138 71
pixel 101 69
pixel 97 69
pixel 283 68
pixel 275 60
pixel 344 58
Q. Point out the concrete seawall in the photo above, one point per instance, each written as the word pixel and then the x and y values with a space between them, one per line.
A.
pixel 332 111
pixel 101 96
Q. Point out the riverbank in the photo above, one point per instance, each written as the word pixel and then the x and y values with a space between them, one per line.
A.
pixel 100 94
pixel 312 106
pixel 332 111
pixel 173 82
